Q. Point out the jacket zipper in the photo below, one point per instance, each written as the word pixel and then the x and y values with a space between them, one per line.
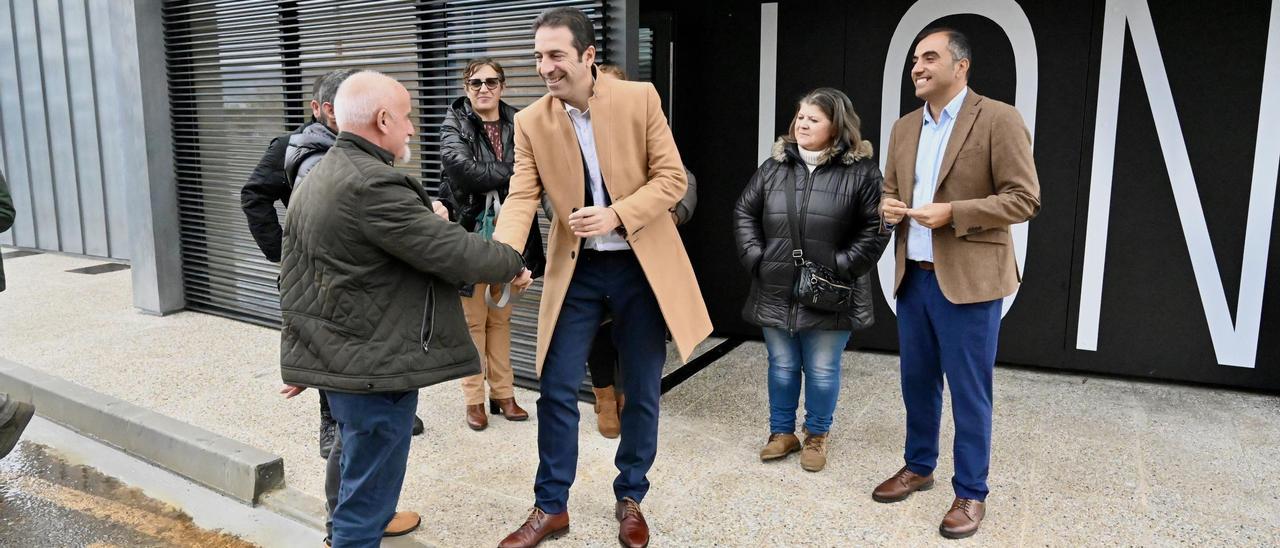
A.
pixel 428 319
pixel 795 306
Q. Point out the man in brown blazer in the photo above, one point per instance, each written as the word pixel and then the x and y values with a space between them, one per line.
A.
pixel 602 153
pixel 959 171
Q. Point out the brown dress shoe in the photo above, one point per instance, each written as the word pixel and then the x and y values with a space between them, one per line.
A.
pixel 901 485
pixel 780 445
pixel 539 526
pixel 476 418
pixel 814 456
pixel 633 532
pixel 402 523
pixel 963 519
pixel 508 408
pixel 607 412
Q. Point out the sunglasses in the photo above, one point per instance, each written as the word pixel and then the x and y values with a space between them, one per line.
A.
pixel 491 83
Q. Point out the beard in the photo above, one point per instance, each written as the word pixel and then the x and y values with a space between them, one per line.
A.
pixel 405 155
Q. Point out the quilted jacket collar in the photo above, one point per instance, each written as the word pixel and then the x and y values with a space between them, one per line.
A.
pixel 356 142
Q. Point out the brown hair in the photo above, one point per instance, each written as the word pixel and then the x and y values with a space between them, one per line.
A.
pixel 612 70
pixel 839 109
pixel 584 34
pixel 476 64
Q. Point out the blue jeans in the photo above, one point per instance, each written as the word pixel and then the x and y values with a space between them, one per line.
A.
pixel 815 356
pixel 375 431
pixel 939 338
pixel 602 281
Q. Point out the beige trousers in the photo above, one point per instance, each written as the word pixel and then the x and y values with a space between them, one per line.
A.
pixel 491 332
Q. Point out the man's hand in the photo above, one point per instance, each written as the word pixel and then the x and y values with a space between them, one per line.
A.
pixel 523 280
pixel 438 207
pixel 593 221
pixel 290 390
pixel 932 215
pixel 892 211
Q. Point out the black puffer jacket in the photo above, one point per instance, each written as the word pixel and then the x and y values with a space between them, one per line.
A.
pixel 267 185
pixel 471 170
pixel 306 148
pixel 839 208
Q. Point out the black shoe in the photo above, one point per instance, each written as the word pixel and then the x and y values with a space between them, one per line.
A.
pixel 328 431
pixel 417 426
pixel 11 431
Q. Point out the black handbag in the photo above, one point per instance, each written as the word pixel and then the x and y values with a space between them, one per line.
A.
pixel 816 285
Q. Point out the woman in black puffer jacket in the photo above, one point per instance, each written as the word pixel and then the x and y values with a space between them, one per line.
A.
pixel 837 189
pixel 477 153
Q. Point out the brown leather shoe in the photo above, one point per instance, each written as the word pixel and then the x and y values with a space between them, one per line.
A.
pixel 780 445
pixel 508 408
pixel 607 412
pixel 539 526
pixel 814 456
pixel 963 519
pixel 402 523
pixel 901 485
pixel 476 418
pixel 633 532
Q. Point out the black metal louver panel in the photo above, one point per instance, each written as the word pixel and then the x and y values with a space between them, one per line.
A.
pixel 240 74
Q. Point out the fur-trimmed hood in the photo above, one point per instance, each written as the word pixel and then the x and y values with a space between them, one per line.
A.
pixel 848 156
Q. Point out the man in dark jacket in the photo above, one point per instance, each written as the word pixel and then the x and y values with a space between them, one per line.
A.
pixel 368 291
pixel 286 162
pixel 14 415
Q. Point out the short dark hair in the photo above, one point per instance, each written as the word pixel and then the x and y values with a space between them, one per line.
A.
pixel 475 65
pixel 958 43
pixel 584 34
pixel 326 86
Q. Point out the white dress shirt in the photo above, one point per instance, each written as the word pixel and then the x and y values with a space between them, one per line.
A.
pixel 587 142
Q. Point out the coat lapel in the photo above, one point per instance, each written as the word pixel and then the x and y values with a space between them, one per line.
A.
pixel 910 147
pixel 964 124
pixel 572 156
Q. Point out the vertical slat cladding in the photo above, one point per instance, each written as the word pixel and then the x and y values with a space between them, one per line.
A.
pixel 84 124
pixel 109 125
pixel 39 169
pixel 58 117
pixel 14 151
pixel 52 147
pixel 234 71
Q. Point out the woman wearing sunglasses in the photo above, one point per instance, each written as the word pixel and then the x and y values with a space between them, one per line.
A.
pixel 477 151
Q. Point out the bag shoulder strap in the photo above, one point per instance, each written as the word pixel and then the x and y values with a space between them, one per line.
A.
pixel 797 236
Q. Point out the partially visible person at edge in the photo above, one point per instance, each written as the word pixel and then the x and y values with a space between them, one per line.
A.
pixel 958 173
pixel 368 288
pixel 603 360
pixel 828 170
pixel 603 154
pixel 286 161
pixel 14 415
pixel 477 152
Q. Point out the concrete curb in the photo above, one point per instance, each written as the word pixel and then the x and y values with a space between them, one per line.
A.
pixel 221 464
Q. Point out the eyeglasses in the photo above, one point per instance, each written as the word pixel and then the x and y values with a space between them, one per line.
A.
pixel 491 83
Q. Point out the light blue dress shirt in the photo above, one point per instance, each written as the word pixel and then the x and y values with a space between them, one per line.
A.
pixel 934 135
pixel 587 142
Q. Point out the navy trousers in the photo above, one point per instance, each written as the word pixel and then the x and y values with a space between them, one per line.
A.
pixel 939 338
pixel 603 281
pixel 375 431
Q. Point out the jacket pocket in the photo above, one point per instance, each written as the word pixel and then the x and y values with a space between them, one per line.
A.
pixel 332 325
pixel 998 235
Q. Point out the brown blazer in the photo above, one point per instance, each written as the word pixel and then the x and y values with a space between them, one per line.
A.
pixel 989 177
pixel 644 177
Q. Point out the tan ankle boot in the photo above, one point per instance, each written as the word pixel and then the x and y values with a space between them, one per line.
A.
pixel 607 412
pixel 813 457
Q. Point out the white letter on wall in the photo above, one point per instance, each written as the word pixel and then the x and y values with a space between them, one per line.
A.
pixel 1010 17
pixel 1235 344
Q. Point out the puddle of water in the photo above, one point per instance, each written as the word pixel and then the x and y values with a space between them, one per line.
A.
pixel 47 501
